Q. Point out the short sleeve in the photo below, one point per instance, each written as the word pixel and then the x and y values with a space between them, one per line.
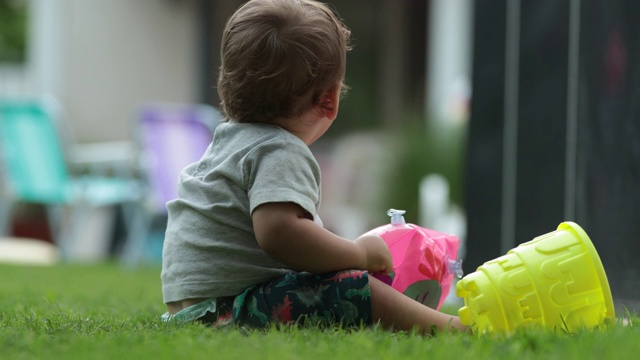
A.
pixel 282 171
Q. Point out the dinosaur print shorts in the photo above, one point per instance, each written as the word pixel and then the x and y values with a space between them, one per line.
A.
pixel 342 298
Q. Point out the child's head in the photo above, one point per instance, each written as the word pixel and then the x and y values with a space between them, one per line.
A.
pixel 278 57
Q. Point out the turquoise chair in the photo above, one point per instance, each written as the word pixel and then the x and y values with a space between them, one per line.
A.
pixel 35 170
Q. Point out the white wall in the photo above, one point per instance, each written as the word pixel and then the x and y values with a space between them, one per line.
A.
pixel 449 61
pixel 103 57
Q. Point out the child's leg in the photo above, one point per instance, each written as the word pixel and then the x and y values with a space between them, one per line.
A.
pixel 399 312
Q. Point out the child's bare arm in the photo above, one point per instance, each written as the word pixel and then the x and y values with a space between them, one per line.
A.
pixel 284 233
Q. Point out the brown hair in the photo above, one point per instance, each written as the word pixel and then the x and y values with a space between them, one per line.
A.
pixel 278 57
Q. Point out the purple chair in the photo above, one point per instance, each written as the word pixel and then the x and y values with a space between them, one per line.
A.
pixel 169 137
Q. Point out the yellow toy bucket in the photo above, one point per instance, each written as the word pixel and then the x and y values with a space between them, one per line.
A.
pixel 555 281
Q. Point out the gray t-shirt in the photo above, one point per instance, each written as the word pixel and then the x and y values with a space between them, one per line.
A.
pixel 210 249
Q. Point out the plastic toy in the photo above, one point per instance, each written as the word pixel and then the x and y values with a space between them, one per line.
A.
pixel 555 281
pixel 424 260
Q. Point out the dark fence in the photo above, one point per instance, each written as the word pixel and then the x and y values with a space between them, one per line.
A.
pixel 554 133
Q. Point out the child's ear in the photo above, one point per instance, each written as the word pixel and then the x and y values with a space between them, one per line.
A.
pixel 330 101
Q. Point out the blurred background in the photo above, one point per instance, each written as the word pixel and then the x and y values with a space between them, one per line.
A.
pixel 493 120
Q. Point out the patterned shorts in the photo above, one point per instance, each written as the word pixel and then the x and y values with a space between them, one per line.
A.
pixel 338 298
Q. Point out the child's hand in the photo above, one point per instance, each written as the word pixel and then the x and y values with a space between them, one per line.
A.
pixel 375 254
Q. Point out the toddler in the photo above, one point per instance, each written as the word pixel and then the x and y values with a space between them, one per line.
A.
pixel 244 243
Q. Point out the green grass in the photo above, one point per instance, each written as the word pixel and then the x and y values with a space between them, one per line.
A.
pixel 107 312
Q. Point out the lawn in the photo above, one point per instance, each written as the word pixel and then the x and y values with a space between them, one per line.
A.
pixel 104 311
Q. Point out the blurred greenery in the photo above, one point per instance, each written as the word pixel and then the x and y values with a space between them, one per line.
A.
pixel 13 31
pixel 422 148
pixel 359 111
